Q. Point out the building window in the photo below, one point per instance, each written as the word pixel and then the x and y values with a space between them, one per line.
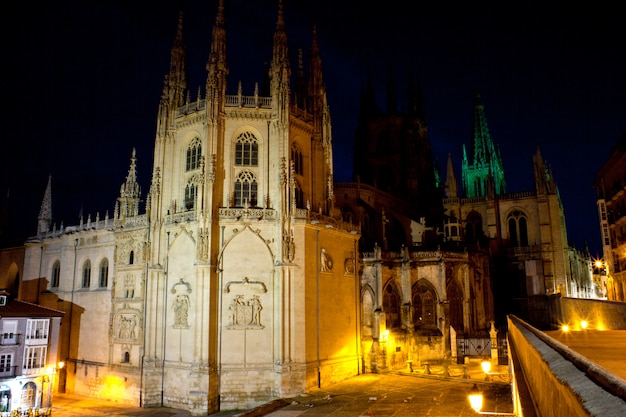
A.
pixel 391 306
pixel 296 159
pixel 6 361
pixel 190 196
pixel 247 150
pixel 424 313
pixel 87 274
pixel 34 359
pixel 473 228
pixel 245 189
pixel 518 230
pixel 126 357
pixel 299 195
pixel 104 273
pixel 194 153
pixel 37 329
pixel 29 394
pixel 56 274
pixel 131 258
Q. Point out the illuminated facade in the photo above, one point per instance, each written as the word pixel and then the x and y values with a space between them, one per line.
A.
pixel 418 292
pixel 610 185
pixel 238 284
pixel 29 338
pixel 525 231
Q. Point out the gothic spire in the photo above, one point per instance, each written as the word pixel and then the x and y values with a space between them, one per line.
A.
pixel 130 192
pixel 451 185
pixel 45 212
pixel 280 72
pixel 175 83
pixel 486 162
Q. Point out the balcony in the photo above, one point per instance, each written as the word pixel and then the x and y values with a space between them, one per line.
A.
pixel 10 339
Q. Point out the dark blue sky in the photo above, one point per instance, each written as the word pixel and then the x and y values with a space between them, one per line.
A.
pixel 83 81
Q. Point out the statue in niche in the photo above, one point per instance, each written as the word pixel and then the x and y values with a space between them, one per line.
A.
pixel 326 261
pixel 181 304
pixel 127 326
pixel 181 310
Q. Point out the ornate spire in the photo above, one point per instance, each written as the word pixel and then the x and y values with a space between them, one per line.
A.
pixel 487 160
pixel 451 186
pixel 45 212
pixel 130 192
pixel 280 72
pixel 175 83
pixel 217 68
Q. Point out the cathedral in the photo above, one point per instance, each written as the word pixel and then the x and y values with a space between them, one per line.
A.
pixel 237 284
pixel 246 274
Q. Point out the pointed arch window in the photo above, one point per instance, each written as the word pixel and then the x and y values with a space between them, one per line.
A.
pixel 296 158
pixel 299 195
pixel 391 306
pixel 87 274
pixel 191 190
pixel 194 153
pixel 473 228
pixel 56 274
pixel 245 189
pixel 104 273
pixel 518 229
pixel 247 150
pixel 424 302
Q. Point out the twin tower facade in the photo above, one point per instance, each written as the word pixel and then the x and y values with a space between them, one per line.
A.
pixel 237 284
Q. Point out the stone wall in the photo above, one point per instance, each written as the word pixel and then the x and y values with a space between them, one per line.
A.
pixel 610 315
pixel 557 385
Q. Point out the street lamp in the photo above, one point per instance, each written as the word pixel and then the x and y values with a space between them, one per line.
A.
pixel 476 402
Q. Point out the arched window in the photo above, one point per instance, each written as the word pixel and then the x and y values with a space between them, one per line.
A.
pixel 473 228
pixel 190 195
pixel 28 395
pixel 87 274
pixel 296 158
pixel 126 357
pixel 299 194
pixel 518 229
pixel 424 303
pixel 391 306
pixel 247 150
pixel 104 273
pixel 194 153
pixel 131 258
pixel 56 274
pixel 245 189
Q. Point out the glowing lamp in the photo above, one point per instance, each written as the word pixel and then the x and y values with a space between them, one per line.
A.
pixel 476 399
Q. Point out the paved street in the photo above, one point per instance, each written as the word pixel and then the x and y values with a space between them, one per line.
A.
pixel 396 395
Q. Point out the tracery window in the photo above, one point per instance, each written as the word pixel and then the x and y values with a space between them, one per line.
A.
pixel 424 302
pixel 191 190
pixel 518 229
pixel 299 195
pixel 245 192
pixel 296 158
pixel 391 306
pixel 104 273
pixel 473 228
pixel 194 153
pixel 87 274
pixel 56 274
pixel 247 150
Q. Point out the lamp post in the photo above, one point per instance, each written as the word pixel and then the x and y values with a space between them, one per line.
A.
pixel 49 378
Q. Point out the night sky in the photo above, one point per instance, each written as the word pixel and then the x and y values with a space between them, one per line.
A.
pixel 83 82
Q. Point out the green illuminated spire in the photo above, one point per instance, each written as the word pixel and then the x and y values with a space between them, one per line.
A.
pixel 484 175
